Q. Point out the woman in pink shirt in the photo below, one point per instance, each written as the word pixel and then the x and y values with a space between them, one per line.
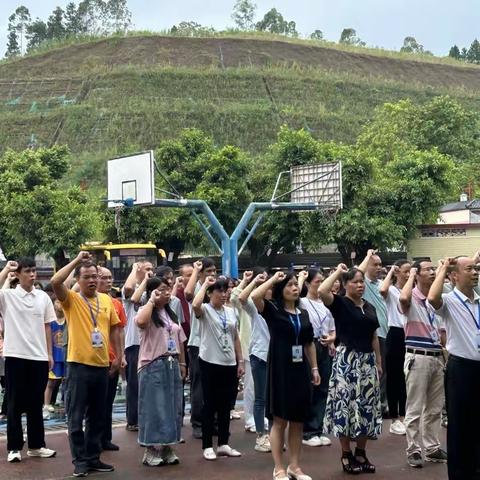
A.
pixel 161 370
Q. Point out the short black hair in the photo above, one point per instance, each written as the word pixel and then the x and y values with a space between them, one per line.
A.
pixel 26 262
pixel 350 275
pixel 163 270
pixel 418 263
pixel 152 284
pixel 401 262
pixel 207 262
pixel 312 273
pixel 277 290
pixel 86 264
pixel 221 285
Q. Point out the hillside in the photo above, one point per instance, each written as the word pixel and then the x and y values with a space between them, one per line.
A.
pixel 119 95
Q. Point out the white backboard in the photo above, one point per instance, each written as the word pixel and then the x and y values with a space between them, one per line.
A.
pixel 319 183
pixel 131 178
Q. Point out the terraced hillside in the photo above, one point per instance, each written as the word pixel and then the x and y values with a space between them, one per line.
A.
pixel 120 95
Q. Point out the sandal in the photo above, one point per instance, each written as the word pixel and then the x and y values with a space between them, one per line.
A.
pixel 362 460
pixel 280 475
pixel 297 474
pixel 349 464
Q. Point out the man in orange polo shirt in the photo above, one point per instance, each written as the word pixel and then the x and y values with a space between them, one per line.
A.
pixel 92 326
pixel 105 282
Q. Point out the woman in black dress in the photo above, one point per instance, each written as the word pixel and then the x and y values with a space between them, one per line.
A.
pixel 353 405
pixel 292 368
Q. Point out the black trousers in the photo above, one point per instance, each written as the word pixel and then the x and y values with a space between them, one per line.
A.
pixel 394 360
pixel 25 381
pixel 313 426
pixel 196 393
pixel 86 398
pixel 218 383
pixel 131 372
pixel 383 379
pixel 111 392
pixel 3 410
pixel 463 399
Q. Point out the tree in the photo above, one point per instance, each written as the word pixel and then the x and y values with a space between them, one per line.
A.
pixel 55 25
pixel 36 33
pixel 274 22
pixel 91 17
pixel 244 14
pixel 349 37
pixel 464 54
pixel 119 17
pixel 37 215
pixel 18 23
pixel 473 55
pixel 191 29
pixel 410 45
pixel 13 47
pixel 455 53
pixel 317 35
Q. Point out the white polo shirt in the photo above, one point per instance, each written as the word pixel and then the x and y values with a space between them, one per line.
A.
pixel 460 323
pixel 395 317
pixel 24 317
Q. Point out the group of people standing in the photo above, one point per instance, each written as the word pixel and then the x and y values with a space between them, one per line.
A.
pixel 319 355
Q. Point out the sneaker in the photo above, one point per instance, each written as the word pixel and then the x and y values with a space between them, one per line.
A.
pixel 234 415
pixel 131 428
pixel 14 456
pixel 250 429
pixel 169 456
pixel 99 466
pixel 415 460
pixel 325 441
pixel 227 451
pixel 438 456
pixel 312 442
pixel 80 471
pixel 398 428
pixel 46 413
pixel 152 457
pixel 50 408
pixel 262 444
pixel 41 452
pixel 209 454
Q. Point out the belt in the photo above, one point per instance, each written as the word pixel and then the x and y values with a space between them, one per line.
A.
pixel 428 353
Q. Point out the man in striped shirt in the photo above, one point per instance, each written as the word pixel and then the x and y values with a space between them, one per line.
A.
pixel 424 363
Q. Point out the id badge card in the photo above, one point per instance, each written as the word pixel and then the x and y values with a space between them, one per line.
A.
pixel 297 353
pixel 478 341
pixel 225 344
pixel 171 345
pixel 434 335
pixel 97 341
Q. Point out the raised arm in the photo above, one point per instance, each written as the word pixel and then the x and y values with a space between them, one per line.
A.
pixel 363 266
pixel 137 295
pixel 387 283
pixel 325 289
pixel 435 292
pixel 144 316
pixel 178 283
pixel 198 300
pixel 237 291
pixel 58 280
pixel 406 293
pixel 10 267
pixel 259 293
pixel 246 292
pixel 129 286
pixel 302 276
pixel 189 291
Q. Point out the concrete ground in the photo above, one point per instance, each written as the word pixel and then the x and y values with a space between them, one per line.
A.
pixel 322 463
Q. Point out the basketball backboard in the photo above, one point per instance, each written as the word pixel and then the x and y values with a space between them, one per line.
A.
pixel 130 180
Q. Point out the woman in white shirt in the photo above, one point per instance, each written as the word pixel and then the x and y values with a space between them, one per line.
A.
pixel 220 363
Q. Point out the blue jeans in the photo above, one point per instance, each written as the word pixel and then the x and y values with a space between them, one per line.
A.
pixel 259 373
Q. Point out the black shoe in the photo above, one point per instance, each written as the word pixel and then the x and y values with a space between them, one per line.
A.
pixel 99 466
pixel 349 464
pixel 131 428
pixel 111 447
pixel 438 456
pixel 197 432
pixel 80 471
pixel 365 464
pixel 415 460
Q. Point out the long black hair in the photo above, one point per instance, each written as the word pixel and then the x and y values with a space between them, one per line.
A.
pixel 277 290
pixel 312 273
pixel 152 284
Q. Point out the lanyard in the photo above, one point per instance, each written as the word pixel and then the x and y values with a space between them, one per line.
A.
pixel 223 319
pixel 168 322
pixel 431 317
pixel 92 316
pixel 296 326
pixel 320 319
pixel 464 303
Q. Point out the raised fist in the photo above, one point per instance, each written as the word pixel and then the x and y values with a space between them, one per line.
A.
pixel 260 278
pixel 155 295
pixel 12 266
pixel 303 274
pixel 371 252
pixel 395 269
pixel 149 274
pixel 210 281
pixel 413 271
pixel 198 265
pixel 279 276
pixel 83 256
pixel 342 267
pixel 247 275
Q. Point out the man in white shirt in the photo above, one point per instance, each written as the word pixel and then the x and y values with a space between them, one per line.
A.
pixel 27 314
pixel 460 310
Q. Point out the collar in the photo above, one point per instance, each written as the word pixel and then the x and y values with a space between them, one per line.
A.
pixel 23 293
pixel 417 293
pixel 465 299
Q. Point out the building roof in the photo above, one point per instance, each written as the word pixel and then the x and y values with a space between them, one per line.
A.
pixel 456 206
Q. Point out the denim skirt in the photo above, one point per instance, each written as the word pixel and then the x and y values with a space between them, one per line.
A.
pixel 160 403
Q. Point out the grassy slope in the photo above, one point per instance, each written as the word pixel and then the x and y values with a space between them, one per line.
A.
pixel 130 93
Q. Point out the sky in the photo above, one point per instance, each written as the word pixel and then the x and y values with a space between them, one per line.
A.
pixel 436 24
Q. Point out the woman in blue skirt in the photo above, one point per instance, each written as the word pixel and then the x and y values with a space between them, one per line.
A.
pixel 353 406
pixel 161 364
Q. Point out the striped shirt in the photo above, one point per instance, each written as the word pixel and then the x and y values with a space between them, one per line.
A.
pixel 423 327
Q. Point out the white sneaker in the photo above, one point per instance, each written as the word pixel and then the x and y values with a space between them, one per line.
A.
pixel 14 456
pixel 46 413
pixel 227 451
pixel 209 454
pixel 41 452
pixel 50 408
pixel 262 444
pixel 325 441
pixel 250 428
pixel 152 458
pixel 234 415
pixel 312 442
pixel 169 456
pixel 398 428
